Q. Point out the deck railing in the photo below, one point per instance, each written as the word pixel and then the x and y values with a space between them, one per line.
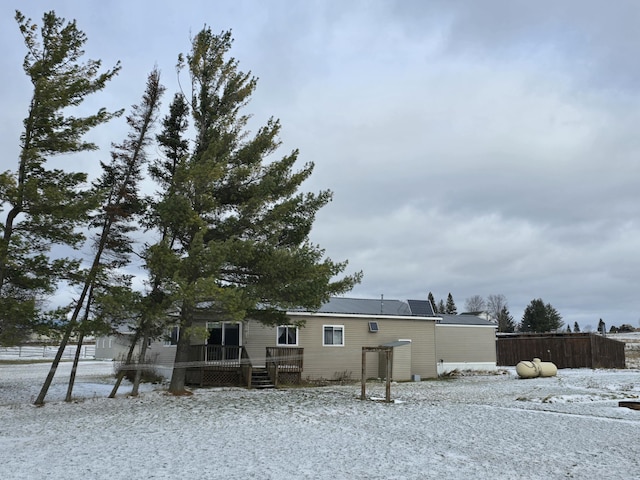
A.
pixel 212 361
pixel 283 360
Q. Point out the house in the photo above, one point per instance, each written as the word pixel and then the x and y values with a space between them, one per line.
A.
pixel 330 344
pixel 115 346
pixel 465 342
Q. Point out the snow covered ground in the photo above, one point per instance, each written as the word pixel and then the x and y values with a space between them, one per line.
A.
pixel 470 427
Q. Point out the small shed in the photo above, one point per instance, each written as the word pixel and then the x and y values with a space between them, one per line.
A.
pixel 566 350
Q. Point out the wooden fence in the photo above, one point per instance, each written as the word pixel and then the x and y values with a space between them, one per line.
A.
pixel 566 350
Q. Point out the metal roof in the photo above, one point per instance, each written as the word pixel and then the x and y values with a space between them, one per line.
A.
pixel 365 306
pixel 464 320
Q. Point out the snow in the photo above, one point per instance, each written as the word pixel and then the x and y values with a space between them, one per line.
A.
pixel 493 426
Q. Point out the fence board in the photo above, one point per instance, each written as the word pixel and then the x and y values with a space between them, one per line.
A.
pixel 566 350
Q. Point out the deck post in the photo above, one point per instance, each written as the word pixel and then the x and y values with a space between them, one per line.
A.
pixel 363 393
pixel 389 355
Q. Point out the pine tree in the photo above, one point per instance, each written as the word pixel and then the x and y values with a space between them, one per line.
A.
pixel 602 328
pixel 505 321
pixel 441 307
pixel 540 318
pixel 576 327
pixel 118 187
pixel 46 205
pixel 432 300
pixel 236 230
pixel 451 306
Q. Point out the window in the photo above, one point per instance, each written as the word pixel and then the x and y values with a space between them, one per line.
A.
pixel 172 336
pixel 287 335
pixel 333 335
pixel 373 327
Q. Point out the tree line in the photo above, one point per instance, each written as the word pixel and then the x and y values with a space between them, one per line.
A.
pixel 226 226
pixel 537 316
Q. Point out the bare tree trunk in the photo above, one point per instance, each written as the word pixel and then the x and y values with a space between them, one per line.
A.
pixel 72 376
pixel 54 365
pixel 76 358
pixel 141 364
pixel 127 363
pixel 178 376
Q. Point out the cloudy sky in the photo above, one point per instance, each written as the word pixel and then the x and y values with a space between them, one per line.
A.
pixel 473 147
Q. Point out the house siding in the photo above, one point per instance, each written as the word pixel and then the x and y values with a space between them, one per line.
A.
pixel 330 362
pixel 465 347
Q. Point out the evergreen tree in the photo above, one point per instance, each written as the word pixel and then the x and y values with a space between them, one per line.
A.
pixel 118 188
pixel 568 328
pixel 505 321
pixel 236 228
pixel 44 206
pixel 576 327
pixel 602 328
pixel 441 307
pixel 432 300
pixel 451 306
pixel 539 317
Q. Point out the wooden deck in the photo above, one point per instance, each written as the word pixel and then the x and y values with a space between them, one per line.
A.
pixel 218 365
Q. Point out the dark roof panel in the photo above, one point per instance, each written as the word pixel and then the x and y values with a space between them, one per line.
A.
pixel 365 306
pixel 422 308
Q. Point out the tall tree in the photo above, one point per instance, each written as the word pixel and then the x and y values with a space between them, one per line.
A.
pixel 44 205
pixel 475 303
pixel 118 187
pixel 441 307
pixel 539 317
pixel 451 306
pixel 495 304
pixel 505 321
pixel 576 327
pixel 236 227
pixel 602 328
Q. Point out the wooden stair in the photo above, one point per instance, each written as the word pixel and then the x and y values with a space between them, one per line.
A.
pixel 260 378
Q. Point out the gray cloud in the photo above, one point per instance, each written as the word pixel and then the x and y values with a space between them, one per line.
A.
pixel 472 147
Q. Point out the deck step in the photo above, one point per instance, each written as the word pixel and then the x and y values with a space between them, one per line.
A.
pixel 260 379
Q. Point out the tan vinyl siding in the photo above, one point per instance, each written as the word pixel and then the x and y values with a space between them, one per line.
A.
pixel 258 338
pixel 465 344
pixel 335 361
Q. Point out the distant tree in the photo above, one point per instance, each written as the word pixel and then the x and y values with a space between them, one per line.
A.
pixel 441 307
pixel 45 206
pixel 475 303
pixel 539 317
pixel 451 306
pixel 568 328
pixel 625 327
pixel 602 328
pixel 505 321
pixel 613 329
pixel 576 327
pixel 495 304
pixel 433 302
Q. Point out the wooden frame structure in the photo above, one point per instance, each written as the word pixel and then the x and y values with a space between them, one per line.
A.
pixel 388 351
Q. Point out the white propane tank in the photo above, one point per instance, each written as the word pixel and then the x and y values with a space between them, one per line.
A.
pixel 526 369
pixel 536 368
pixel 547 369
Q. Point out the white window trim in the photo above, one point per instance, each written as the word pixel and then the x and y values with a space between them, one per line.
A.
pixel 278 344
pixel 333 344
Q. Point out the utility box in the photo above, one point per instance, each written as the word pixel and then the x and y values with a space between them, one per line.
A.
pixel 415 378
